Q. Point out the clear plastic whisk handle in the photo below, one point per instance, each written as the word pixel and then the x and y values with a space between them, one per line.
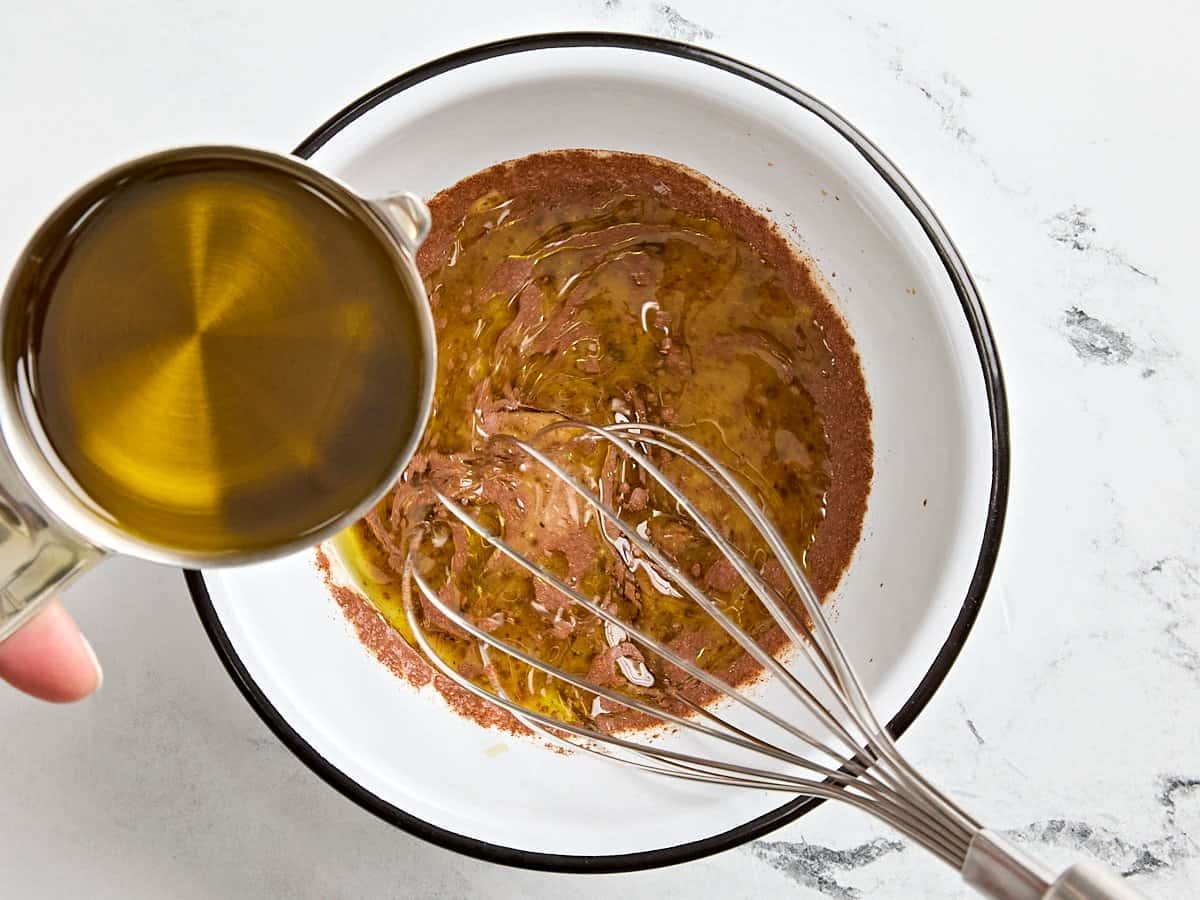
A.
pixel 996 868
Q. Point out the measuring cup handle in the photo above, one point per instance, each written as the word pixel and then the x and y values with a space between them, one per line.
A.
pixel 37 556
pixel 407 217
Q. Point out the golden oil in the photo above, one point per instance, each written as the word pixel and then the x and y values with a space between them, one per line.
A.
pixel 223 358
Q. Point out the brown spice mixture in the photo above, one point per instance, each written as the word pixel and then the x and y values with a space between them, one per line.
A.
pixel 539 272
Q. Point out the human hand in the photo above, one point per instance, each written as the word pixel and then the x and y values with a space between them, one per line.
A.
pixel 49 658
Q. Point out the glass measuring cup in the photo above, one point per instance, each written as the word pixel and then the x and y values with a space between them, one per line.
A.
pixel 51 529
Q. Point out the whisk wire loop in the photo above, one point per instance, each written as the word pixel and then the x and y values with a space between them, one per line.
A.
pixel 866 770
pixel 688 766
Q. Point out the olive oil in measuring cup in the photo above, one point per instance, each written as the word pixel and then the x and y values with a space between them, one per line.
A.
pixel 219 353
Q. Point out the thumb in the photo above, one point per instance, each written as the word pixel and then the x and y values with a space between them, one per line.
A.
pixel 50 658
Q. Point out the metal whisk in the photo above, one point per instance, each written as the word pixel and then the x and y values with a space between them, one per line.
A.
pixel 845 754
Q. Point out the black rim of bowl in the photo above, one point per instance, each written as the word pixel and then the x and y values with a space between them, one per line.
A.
pixel 989 361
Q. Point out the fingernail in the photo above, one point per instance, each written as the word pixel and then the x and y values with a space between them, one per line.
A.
pixel 87 645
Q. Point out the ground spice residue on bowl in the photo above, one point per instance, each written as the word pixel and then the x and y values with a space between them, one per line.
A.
pixel 610 287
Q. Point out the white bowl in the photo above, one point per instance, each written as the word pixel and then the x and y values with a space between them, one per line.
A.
pixel 941 454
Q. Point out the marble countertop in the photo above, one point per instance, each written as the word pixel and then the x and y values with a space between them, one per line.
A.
pixel 1057 143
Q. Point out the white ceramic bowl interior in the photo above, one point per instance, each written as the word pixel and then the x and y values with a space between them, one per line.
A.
pixel 904 594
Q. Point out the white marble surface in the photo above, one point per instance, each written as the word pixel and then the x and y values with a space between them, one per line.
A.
pixel 1057 142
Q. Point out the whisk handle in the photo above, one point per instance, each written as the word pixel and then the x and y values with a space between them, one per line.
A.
pixel 1091 881
pixel 998 869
